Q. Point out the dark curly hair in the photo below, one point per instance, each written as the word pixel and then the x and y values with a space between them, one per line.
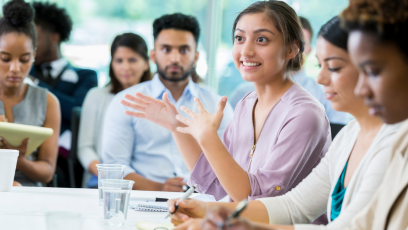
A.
pixel 18 17
pixel 286 21
pixel 135 43
pixel 176 21
pixel 386 19
pixel 53 19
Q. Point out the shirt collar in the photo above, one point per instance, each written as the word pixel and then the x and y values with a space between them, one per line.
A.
pixel 56 65
pixel 158 88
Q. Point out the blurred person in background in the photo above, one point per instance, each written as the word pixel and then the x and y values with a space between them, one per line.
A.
pixel 23 103
pixel 148 150
pixel 129 66
pixel 305 81
pixel 53 71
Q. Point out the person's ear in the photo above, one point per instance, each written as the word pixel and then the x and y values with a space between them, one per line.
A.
pixel 153 56
pixel 292 51
pixel 55 38
pixel 197 55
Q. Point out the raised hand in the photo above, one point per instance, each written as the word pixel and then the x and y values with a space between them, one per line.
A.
pixel 202 123
pixel 186 210
pixel 162 112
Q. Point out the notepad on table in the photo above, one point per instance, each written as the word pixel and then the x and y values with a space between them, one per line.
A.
pixel 162 206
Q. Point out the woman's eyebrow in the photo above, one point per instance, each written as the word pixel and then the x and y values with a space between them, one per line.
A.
pixel 2 52
pixel 238 29
pixel 337 58
pixel 263 30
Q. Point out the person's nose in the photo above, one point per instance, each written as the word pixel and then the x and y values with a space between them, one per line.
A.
pixel 15 66
pixel 175 56
pixel 248 49
pixel 362 88
pixel 323 78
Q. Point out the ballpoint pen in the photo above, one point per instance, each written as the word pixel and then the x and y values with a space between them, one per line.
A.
pixel 184 197
pixel 238 210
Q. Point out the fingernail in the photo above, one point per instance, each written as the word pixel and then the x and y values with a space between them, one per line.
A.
pixel 224 99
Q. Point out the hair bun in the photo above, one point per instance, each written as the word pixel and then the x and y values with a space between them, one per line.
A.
pixel 18 13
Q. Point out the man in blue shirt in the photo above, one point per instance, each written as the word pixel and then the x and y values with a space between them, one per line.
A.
pixel 306 82
pixel 149 152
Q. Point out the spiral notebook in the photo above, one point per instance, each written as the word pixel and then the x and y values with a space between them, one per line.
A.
pixel 162 206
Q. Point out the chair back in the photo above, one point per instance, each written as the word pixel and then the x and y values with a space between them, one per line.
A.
pixel 335 129
pixel 74 167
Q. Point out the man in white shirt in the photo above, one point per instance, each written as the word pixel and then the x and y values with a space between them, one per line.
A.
pixel 149 151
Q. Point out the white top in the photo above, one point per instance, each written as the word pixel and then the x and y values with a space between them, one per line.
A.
pixel 312 197
pixel 25 207
pixel 91 126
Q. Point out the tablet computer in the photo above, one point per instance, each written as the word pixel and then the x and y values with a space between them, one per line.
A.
pixel 14 134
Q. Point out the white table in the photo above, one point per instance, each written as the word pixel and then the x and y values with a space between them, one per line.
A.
pixel 25 207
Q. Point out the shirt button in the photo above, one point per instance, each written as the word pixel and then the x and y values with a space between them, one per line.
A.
pixel 278 188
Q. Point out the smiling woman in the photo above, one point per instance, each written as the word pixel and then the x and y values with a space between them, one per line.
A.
pixel 278 134
pixel 17 99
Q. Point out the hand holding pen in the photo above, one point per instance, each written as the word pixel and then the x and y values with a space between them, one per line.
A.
pixel 185 196
pixel 219 218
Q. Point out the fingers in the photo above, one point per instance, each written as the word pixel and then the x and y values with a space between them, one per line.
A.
pixel 5 144
pixel 166 100
pixel 3 118
pixel 146 98
pixel 136 99
pixel 133 106
pixel 188 111
pixel 135 114
pixel 183 120
pixel 199 105
pixel 184 129
pixel 220 111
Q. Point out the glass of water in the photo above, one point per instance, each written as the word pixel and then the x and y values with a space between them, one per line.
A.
pixel 116 195
pixel 108 171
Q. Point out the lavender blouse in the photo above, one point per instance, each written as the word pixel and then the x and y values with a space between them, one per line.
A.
pixel 295 136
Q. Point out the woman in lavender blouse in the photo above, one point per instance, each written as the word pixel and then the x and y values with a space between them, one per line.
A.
pixel 278 134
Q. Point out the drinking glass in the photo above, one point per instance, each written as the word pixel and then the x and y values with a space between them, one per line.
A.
pixel 8 162
pixel 116 195
pixel 108 171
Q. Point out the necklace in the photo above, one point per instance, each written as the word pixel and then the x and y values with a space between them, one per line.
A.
pixel 253 125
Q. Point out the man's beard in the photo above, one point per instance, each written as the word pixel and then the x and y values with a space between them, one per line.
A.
pixel 184 74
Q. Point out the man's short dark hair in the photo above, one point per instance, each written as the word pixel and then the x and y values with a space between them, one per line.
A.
pixel 306 25
pixel 176 21
pixel 53 19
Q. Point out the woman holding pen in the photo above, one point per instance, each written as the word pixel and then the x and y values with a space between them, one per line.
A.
pixel 278 134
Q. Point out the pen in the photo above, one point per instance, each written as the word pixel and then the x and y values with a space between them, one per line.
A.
pixel 238 210
pixel 184 197
pixel 150 199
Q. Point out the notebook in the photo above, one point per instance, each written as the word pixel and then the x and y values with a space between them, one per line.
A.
pixel 162 206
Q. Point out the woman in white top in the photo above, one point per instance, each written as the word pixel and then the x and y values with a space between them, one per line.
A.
pixel 347 177
pixel 129 66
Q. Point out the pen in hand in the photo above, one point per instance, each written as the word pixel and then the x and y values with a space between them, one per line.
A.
pixel 185 196
pixel 238 210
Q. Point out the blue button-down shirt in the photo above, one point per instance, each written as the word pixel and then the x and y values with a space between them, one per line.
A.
pixel 144 147
pixel 307 83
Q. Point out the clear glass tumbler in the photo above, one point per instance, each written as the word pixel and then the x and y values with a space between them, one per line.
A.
pixel 108 171
pixel 116 195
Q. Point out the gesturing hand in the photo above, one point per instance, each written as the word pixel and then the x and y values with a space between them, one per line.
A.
pixel 162 112
pixel 202 123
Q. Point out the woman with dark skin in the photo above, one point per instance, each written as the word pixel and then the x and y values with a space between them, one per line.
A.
pixel 17 52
